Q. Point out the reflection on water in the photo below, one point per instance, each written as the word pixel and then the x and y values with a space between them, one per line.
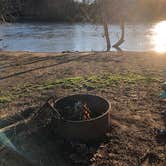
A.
pixel 57 37
pixel 159 37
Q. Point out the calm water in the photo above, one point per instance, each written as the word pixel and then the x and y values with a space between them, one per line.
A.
pixel 49 37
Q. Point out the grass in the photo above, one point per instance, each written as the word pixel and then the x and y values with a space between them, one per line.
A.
pixel 75 83
pixel 5 99
pixel 71 82
pixel 97 81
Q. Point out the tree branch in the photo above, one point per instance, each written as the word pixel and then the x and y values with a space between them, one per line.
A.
pixel 121 40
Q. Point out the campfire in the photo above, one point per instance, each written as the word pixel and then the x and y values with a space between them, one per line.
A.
pixel 86 112
pixel 77 111
pixel 82 117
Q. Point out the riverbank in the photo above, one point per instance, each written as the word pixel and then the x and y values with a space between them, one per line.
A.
pixel 130 81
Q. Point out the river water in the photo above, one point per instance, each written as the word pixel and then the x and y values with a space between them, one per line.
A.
pixel 57 37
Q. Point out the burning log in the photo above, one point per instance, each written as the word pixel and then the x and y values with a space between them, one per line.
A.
pixel 78 111
pixel 86 112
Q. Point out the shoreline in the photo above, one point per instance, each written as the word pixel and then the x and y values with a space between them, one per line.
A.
pixel 77 52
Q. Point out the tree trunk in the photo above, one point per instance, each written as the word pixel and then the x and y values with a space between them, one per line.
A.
pixel 101 4
pixel 2 19
pixel 121 40
pixel 106 32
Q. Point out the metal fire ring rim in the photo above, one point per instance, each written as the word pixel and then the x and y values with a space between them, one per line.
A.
pixel 92 119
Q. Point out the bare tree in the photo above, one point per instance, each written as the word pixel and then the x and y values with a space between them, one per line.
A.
pixel 9 9
pixel 105 6
pixel 102 7
pixel 106 32
pixel 121 40
pixel 3 10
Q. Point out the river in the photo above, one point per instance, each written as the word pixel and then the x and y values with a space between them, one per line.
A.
pixel 58 37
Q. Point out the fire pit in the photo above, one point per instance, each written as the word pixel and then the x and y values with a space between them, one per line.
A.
pixel 81 117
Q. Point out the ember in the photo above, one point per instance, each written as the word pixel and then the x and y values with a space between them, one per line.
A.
pixel 86 112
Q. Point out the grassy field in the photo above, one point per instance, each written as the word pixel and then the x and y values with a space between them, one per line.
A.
pixel 130 81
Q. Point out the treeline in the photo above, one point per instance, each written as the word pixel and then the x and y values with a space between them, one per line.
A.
pixel 59 10
pixel 74 11
pixel 133 10
pixel 151 9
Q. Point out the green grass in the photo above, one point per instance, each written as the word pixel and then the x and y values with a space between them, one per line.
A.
pixel 5 99
pixel 97 81
pixel 75 83
pixel 65 83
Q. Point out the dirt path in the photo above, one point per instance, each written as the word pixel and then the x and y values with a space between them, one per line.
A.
pixel 131 81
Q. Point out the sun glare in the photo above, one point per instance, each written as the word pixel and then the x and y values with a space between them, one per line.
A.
pixel 159 37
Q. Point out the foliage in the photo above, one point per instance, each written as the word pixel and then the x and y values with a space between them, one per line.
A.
pixel 9 9
pixel 3 10
pixel 71 10
pixel 134 10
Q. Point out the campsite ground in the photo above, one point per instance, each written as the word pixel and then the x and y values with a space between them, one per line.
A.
pixel 131 81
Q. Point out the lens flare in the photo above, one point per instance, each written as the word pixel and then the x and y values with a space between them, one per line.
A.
pixel 159 37
pixel 4 140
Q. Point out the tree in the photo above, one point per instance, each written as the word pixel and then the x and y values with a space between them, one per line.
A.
pixel 101 6
pixel 107 8
pixel 121 40
pixel 3 10
pixel 9 9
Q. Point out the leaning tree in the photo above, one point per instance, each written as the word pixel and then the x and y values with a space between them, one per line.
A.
pixel 109 10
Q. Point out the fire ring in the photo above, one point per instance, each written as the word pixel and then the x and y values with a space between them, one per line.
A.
pixel 82 117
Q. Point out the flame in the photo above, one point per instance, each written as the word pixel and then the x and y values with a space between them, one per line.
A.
pixel 86 112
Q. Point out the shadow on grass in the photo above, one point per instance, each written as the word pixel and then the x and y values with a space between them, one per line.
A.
pixel 61 59
pixel 41 146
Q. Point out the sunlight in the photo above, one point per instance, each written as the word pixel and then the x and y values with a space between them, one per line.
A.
pixel 4 140
pixel 159 37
